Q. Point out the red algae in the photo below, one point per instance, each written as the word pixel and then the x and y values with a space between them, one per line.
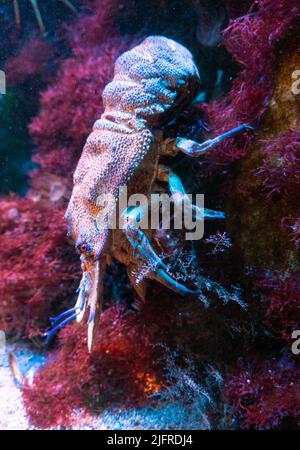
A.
pixel 265 394
pixel 121 370
pixel 39 270
pixel 30 61
pixel 281 297
pixel 280 170
pixel 253 41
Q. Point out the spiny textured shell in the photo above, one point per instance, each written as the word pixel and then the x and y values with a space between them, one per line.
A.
pixel 151 82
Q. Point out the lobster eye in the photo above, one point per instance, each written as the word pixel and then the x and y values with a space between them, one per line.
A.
pixel 85 248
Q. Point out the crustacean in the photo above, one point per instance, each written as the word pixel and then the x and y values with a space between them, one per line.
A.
pixel 152 83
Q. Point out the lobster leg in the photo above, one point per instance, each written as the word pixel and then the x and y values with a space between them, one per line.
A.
pixel 144 250
pixel 89 294
pixel 69 5
pixel 180 196
pixel 38 15
pixel 194 149
pixel 17 12
pixel 95 301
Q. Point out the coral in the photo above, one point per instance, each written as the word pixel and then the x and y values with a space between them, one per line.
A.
pixel 39 270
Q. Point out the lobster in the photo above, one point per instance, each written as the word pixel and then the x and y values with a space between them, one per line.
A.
pixel 152 84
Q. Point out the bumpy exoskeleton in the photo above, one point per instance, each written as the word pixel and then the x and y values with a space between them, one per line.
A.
pixel 152 83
